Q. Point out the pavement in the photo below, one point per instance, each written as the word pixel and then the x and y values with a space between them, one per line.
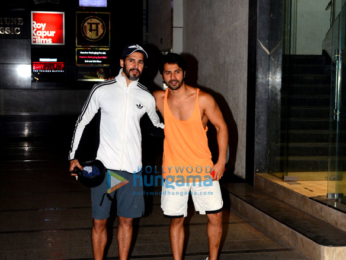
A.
pixel 46 214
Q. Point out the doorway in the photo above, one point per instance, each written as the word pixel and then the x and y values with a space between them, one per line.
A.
pixel 307 139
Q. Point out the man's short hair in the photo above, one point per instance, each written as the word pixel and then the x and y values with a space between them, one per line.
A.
pixel 172 58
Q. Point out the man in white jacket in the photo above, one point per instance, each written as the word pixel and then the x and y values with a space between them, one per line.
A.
pixel 122 101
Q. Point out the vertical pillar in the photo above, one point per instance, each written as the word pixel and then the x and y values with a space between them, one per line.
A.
pixel 178 25
pixel 145 12
pixel 258 86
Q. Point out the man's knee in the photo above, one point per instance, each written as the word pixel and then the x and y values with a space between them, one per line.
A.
pixel 99 225
pixel 215 218
pixel 177 222
pixel 126 222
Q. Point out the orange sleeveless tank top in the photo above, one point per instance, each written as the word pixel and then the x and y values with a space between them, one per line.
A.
pixel 186 155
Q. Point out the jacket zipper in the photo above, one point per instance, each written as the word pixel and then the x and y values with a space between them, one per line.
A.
pixel 125 125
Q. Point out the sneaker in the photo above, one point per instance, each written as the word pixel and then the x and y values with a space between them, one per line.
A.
pixel 207 258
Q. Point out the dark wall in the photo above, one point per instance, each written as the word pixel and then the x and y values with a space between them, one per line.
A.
pixel 18 94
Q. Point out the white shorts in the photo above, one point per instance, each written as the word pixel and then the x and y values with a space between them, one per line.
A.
pixel 207 199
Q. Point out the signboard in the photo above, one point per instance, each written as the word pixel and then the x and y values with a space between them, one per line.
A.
pixel 14 25
pixel 48 70
pixel 48 65
pixel 93 73
pixel 93 29
pixel 93 3
pixel 99 57
pixel 47 28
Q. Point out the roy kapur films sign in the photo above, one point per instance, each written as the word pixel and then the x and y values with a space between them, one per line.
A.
pixel 47 28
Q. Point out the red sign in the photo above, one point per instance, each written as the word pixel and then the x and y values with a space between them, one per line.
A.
pixel 48 66
pixel 48 28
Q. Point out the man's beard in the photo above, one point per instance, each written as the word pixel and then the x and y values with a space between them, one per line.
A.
pixel 127 73
pixel 176 87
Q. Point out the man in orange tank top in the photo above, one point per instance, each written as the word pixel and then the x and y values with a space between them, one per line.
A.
pixel 187 165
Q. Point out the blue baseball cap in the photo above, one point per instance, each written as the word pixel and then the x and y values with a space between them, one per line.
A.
pixel 93 173
pixel 131 48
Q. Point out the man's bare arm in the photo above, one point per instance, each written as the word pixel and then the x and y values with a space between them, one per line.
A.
pixel 159 97
pixel 214 114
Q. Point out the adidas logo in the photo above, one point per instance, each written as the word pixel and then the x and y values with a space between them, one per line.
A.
pixel 140 106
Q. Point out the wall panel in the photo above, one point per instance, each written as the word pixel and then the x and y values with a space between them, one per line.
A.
pixel 215 42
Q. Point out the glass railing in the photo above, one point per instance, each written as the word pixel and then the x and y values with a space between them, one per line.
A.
pixel 337 146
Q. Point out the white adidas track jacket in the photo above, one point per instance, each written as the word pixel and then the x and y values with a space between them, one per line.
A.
pixel 121 108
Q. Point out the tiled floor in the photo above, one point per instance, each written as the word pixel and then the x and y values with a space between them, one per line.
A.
pixel 46 214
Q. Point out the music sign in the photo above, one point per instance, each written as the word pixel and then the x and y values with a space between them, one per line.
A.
pixel 47 28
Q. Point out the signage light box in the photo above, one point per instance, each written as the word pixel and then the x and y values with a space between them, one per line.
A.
pixel 48 65
pixel 47 28
pixel 93 3
pixel 93 29
pixel 93 73
pixel 92 57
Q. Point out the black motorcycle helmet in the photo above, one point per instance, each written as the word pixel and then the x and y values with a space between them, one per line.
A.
pixel 93 173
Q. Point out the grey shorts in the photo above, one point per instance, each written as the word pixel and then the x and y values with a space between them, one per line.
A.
pixel 129 198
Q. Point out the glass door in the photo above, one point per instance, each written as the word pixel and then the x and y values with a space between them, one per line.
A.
pixel 299 90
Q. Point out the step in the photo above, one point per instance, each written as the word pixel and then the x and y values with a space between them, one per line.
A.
pixel 306 101
pixel 303 59
pixel 309 112
pixel 307 136
pixel 307 79
pixel 307 163
pixel 307 149
pixel 303 163
pixel 297 136
pixel 310 236
pixel 311 149
pixel 311 136
pixel 306 89
pixel 305 124
pixel 287 85
pixel 288 193
pixel 306 69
